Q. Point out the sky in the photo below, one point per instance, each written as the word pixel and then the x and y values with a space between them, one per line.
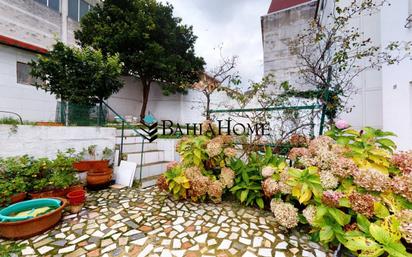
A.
pixel 232 24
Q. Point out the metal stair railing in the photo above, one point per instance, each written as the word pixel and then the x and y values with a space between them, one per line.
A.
pixel 124 121
pixel 14 113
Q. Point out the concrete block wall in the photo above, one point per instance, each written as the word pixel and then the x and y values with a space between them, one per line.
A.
pixel 278 29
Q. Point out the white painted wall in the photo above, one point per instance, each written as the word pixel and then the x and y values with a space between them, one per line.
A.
pixel 43 141
pixel 397 79
pixel 30 103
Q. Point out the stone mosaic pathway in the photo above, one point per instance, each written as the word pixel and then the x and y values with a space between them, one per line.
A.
pixel 131 222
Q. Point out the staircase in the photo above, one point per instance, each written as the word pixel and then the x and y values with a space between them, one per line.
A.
pixel 154 161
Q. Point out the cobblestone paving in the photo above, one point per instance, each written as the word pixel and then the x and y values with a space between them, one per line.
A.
pixel 131 222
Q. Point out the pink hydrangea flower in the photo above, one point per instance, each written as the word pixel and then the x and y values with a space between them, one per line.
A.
pixel 342 124
pixel 171 165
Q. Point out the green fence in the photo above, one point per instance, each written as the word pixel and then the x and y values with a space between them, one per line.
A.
pixel 81 115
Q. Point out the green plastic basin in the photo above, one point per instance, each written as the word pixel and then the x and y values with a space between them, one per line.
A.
pixel 6 213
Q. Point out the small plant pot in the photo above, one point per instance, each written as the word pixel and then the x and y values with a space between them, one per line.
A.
pixel 77 197
pixel 76 208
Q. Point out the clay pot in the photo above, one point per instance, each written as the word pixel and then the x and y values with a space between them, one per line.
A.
pixel 15 199
pixel 56 192
pixel 99 177
pixel 91 165
pixel 50 193
pixel 76 197
pixel 32 227
pixel 76 188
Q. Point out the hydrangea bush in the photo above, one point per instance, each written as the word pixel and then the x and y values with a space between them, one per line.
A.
pixel 348 187
pixel 203 172
pixel 351 189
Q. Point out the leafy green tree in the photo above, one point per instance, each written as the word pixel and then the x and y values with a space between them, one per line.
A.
pixel 82 76
pixel 153 45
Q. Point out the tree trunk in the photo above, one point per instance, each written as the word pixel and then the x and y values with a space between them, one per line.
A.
pixel 146 91
pixel 207 107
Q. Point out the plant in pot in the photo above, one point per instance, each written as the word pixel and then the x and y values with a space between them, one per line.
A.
pixel 100 174
pixel 13 187
pixel 54 178
pixel 12 191
pixel 88 159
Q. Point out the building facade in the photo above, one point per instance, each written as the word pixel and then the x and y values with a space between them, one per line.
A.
pixel 31 27
pixel 383 98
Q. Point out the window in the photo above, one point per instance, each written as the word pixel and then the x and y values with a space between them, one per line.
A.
pixel 52 4
pixel 84 8
pixel 23 74
pixel 78 8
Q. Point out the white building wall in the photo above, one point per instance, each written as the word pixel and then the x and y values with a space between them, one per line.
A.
pixel 397 79
pixel 26 100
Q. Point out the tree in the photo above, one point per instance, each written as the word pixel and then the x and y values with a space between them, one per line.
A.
pixel 215 79
pixel 263 106
pixel 153 45
pixel 333 54
pixel 82 76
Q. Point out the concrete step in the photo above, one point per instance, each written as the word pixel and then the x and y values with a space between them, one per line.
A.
pixel 128 132
pixel 130 140
pixel 149 156
pixel 151 169
pixel 134 147
pixel 149 182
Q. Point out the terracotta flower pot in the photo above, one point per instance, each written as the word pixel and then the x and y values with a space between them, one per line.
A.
pixel 32 227
pixel 97 178
pixel 75 188
pixel 91 165
pixel 15 199
pixel 50 193
pixel 76 197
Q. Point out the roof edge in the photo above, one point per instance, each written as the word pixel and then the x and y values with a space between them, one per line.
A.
pixel 22 45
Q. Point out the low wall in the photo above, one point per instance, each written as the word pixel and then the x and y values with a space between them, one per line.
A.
pixel 44 141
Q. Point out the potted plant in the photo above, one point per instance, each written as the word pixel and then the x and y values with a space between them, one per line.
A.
pixel 89 159
pixel 13 187
pixel 12 191
pixel 54 178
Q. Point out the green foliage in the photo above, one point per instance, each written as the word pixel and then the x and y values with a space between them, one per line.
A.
pixel 369 148
pixel 177 182
pixel 193 151
pixel 305 184
pixel 11 249
pixel 248 181
pixel 83 76
pixel 27 174
pixel 376 239
pixel 153 45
